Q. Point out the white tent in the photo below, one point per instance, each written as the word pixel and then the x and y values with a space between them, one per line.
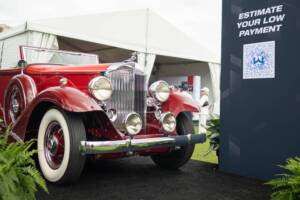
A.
pixel 113 36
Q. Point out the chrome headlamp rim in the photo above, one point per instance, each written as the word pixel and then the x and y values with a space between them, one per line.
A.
pixel 126 123
pixel 93 91
pixel 153 90
pixel 162 122
pixel 112 115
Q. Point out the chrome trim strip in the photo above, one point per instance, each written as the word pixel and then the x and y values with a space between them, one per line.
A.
pixel 117 146
pixel 131 145
pixel 142 144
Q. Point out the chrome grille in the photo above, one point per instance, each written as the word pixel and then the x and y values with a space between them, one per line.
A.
pixel 140 96
pixel 129 94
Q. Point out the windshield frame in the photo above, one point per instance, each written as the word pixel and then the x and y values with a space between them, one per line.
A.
pixel 23 56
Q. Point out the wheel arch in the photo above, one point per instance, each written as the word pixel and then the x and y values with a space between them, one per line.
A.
pixel 61 97
pixel 35 119
pixel 182 114
pixel 28 91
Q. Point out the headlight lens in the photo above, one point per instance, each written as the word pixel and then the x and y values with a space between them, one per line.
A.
pixel 133 123
pixel 168 122
pixel 101 88
pixel 160 91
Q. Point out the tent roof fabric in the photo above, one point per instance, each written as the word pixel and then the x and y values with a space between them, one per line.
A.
pixel 137 30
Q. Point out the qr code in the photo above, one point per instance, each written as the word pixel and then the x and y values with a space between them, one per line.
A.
pixel 259 60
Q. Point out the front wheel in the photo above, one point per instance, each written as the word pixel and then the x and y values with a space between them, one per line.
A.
pixel 178 158
pixel 58 142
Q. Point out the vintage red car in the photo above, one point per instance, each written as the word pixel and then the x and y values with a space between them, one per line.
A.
pixel 78 109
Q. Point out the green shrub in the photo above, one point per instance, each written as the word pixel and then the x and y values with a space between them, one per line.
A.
pixel 287 186
pixel 19 177
pixel 213 134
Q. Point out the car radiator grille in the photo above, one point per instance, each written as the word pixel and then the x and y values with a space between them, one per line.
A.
pixel 129 95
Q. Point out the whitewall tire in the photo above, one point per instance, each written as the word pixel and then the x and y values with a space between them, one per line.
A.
pixel 58 142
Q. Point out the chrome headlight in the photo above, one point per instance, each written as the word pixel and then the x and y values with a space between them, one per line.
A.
pixel 160 91
pixel 168 122
pixel 101 88
pixel 133 123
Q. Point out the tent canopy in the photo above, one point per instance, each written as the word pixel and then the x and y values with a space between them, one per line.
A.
pixel 164 50
pixel 140 30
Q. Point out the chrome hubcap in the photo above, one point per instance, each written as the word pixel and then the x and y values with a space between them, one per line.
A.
pixel 54 145
pixel 15 104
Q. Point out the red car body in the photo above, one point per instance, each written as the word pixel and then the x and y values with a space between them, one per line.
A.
pixel 41 85
pixel 28 92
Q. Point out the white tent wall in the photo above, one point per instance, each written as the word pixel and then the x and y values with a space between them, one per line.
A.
pixel 11 51
pixel 1 48
pixel 165 71
pixel 10 46
pixel 43 40
pixel 114 36
pixel 215 74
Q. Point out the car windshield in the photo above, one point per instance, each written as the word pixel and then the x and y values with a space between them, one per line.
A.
pixel 39 55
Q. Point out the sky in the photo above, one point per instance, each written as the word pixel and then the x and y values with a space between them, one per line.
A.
pixel 200 19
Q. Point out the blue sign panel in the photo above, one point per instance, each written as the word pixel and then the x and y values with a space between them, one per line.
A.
pixel 260 86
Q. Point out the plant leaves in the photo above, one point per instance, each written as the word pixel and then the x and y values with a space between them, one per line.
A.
pixel 287 186
pixel 213 134
pixel 19 177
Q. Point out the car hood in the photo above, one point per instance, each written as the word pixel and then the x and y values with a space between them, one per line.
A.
pixel 60 69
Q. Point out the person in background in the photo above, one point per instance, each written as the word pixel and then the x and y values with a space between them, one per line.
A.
pixel 203 104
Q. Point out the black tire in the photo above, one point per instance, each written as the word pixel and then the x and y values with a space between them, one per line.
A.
pixel 72 162
pixel 178 158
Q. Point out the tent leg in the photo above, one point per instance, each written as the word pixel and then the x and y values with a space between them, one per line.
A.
pixel 146 61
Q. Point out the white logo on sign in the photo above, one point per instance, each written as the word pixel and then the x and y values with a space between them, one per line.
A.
pixel 259 60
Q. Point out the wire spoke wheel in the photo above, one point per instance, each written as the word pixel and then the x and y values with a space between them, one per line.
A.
pixel 58 142
pixel 54 145
pixel 15 103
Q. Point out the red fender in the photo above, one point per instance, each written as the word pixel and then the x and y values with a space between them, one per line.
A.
pixel 67 98
pixel 27 92
pixel 178 103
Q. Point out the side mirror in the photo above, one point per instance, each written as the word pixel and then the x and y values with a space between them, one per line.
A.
pixel 22 63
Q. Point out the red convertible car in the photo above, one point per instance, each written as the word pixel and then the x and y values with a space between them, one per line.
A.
pixel 78 109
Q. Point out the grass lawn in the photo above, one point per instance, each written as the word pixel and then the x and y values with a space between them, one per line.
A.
pixel 201 149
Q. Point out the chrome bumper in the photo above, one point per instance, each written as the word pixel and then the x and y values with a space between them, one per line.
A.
pixel 132 145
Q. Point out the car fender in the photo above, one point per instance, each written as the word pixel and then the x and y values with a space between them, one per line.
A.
pixel 27 88
pixel 178 103
pixel 67 98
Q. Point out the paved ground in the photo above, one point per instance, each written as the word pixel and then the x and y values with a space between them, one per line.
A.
pixel 139 179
